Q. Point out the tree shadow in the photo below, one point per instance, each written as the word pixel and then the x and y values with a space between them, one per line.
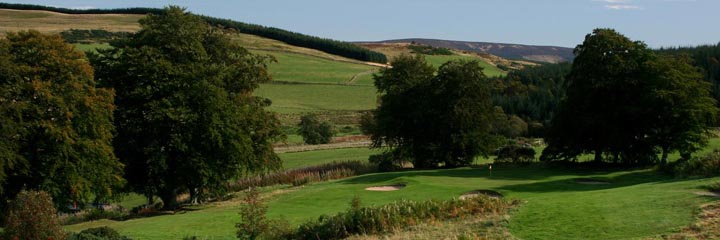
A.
pixel 528 172
pixel 571 184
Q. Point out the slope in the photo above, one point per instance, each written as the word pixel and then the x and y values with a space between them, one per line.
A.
pixel 551 54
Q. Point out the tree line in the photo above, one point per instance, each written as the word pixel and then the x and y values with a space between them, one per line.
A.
pixel 619 100
pixel 335 47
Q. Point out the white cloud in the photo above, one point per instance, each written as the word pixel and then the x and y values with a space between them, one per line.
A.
pixel 623 7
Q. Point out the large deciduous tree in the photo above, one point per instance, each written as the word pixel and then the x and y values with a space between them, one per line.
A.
pixel 624 104
pixel 681 106
pixel 186 117
pixel 56 125
pixel 442 119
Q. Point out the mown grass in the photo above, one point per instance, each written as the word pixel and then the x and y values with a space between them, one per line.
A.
pixel 298 98
pixel 636 204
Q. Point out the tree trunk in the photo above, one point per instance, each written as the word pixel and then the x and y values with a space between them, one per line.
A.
pixel 169 199
pixel 663 160
pixel 598 155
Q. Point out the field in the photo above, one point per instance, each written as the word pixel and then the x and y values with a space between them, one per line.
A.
pixel 296 67
pixel 298 98
pixel 14 20
pixel 636 203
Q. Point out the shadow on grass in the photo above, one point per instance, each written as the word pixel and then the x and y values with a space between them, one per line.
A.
pixel 535 174
pixel 570 184
pixel 528 172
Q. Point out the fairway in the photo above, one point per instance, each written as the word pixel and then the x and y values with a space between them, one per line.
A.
pixel 636 204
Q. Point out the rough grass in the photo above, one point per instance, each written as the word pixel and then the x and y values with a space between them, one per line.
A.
pixel 256 43
pixel 50 22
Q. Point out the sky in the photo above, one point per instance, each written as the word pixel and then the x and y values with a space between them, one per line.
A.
pixel 659 23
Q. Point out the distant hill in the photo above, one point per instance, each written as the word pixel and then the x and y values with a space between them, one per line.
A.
pixel 510 51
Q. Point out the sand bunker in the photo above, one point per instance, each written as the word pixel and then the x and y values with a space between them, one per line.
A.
pixel 386 188
pixel 591 181
pixel 709 194
pixel 472 194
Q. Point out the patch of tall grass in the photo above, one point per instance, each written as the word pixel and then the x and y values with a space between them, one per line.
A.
pixel 302 176
pixel 396 216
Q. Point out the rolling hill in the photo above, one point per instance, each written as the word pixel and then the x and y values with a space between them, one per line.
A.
pixel 549 54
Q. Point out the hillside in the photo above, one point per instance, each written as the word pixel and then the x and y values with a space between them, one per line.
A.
pixel 52 22
pixel 494 65
pixel 549 54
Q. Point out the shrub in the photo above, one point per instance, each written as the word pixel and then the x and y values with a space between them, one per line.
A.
pixel 515 153
pixel 325 172
pixel 706 166
pixel 99 233
pixel 395 216
pixel 32 216
pixel 253 223
pixel 314 131
pixel 385 162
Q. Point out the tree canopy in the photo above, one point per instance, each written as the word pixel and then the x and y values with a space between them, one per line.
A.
pixel 56 125
pixel 186 117
pixel 313 130
pixel 623 103
pixel 435 120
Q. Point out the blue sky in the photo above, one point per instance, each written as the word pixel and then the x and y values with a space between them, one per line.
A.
pixel 537 22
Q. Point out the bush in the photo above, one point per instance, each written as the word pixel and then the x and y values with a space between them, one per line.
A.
pixel 253 223
pixel 395 216
pixel 99 233
pixel 314 131
pixel 387 161
pixel 515 153
pixel 32 216
pixel 705 166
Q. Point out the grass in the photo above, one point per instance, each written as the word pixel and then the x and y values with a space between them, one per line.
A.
pixel 313 158
pixel 294 67
pixel 50 22
pixel 298 98
pixel 636 204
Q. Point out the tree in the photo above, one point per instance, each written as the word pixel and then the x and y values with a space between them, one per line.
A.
pixel 626 103
pixel 314 131
pixel 32 216
pixel 186 117
pixel 56 125
pixel 441 119
pixel 682 109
